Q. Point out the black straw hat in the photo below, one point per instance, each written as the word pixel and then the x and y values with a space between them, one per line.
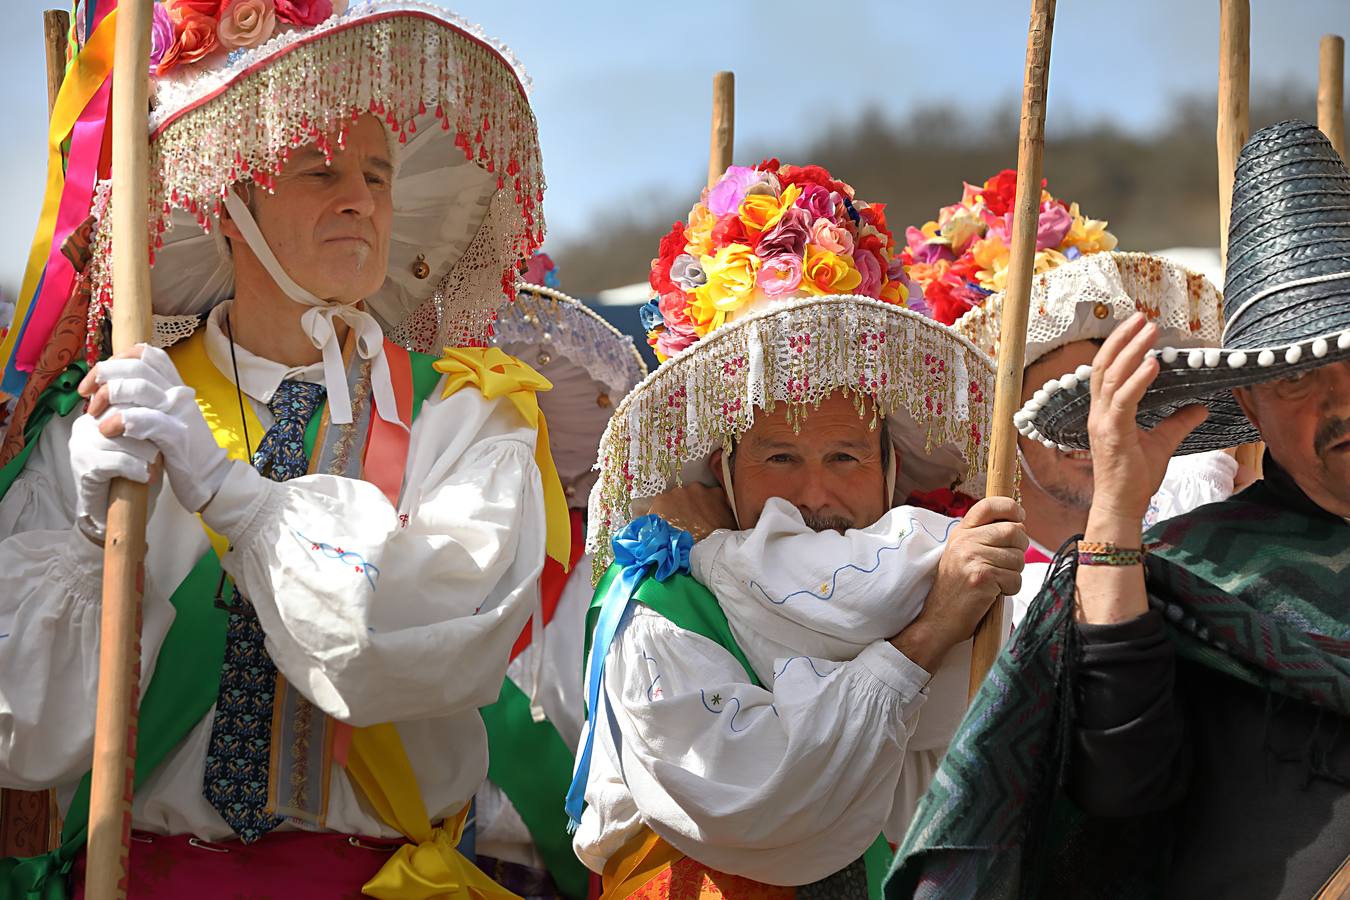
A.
pixel 1286 298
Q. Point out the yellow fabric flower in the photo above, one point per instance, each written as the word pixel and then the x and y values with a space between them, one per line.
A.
pixel 1088 235
pixel 760 212
pixel 991 255
pixel 829 273
pixel 963 227
pixel 699 231
pixel 731 282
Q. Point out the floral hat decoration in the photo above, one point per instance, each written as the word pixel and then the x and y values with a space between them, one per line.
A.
pixel 782 287
pixel 962 257
pixel 767 231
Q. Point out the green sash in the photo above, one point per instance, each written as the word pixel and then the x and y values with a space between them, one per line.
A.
pixel 692 607
pixel 187 670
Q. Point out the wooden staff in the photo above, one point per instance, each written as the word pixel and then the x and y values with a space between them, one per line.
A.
pixel 723 125
pixel 1231 134
pixel 1013 327
pixel 123 576
pixel 1331 90
pixel 55 27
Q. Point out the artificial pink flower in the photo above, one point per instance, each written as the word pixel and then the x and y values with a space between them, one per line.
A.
pixel 1054 223
pixel 788 237
pixel 779 275
pixel 246 23
pixel 304 12
pixel 828 236
pixel 817 201
pixel 870 270
pixel 195 38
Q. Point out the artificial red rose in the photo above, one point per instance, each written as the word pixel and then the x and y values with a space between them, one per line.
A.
pixel 874 214
pixel 1000 192
pixel 813 175
pixel 946 306
pixel 180 8
pixel 304 12
pixel 769 165
pixel 672 245
pixel 194 38
pixel 730 230
pixel 943 500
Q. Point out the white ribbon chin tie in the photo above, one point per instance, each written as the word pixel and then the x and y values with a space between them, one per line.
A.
pixel 318 326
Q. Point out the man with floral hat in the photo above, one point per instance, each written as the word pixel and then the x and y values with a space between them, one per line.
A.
pixel 1074 308
pixel 310 729
pixel 1170 692
pixel 521 837
pixel 765 703
pixel 1082 290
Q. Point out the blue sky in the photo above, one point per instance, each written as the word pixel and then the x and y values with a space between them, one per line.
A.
pixel 622 89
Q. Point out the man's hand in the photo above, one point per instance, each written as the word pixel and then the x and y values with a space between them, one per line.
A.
pixel 1128 464
pixel 698 509
pixel 983 560
pixel 139 394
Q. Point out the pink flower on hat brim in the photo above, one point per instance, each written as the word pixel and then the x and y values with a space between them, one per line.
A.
pixel 828 236
pixel 161 34
pixel 246 23
pixel 726 196
pixel 870 270
pixel 1054 223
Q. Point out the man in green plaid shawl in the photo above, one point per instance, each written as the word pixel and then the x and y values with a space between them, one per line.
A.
pixel 1172 717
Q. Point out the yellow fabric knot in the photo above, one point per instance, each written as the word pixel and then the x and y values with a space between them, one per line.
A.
pixel 497 374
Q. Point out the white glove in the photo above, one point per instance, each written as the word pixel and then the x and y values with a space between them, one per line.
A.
pixel 95 461
pixel 159 410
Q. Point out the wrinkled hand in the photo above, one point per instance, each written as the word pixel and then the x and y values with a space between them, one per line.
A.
pixel 1129 462
pixel 139 395
pixel 697 508
pixel 983 560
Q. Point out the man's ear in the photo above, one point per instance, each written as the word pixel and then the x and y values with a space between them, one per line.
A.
pixel 1247 401
pixel 715 463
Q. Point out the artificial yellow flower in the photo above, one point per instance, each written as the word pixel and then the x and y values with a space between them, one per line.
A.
pixel 829 273
pixel 699 231
pixel 731 282
pixel 963 227
pixel 991 255
pixel 1088 235
pixel 760 212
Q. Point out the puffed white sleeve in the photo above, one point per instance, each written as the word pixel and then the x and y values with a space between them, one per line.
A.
pixel 381 614
pixel 1191 481
pixel 50 618
pixel 784 785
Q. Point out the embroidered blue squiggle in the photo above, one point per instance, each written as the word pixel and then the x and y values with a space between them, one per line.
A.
pixel 717 712
pixel 811 662
pixel 914 524
pixel 349 557
pixel 652 686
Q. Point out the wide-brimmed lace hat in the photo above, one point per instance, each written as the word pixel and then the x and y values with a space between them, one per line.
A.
pixel 1286 298
pixel 591 365
pixel 781 289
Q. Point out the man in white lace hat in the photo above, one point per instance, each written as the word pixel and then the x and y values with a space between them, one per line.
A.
pixel 382 514
pixel 766 705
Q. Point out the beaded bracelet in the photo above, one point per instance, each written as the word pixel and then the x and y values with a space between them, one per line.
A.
pixel 1094 553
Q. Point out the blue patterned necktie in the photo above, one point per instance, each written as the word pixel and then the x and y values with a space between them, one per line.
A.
pixel 239 755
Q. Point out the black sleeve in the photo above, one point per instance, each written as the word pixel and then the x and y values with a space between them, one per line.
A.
pixel 1129 736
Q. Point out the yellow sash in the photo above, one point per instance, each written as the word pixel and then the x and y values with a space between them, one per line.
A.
pixel 429 866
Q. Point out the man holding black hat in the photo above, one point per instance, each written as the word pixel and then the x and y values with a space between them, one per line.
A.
pixel 1203 681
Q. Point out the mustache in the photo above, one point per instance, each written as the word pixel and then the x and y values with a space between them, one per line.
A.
pixel 826 523
pixel 1329 432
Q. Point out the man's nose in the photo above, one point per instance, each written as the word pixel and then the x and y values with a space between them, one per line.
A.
pixel 356 196
pixel 812 493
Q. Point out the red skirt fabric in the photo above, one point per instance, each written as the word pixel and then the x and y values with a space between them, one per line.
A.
pixel 288 865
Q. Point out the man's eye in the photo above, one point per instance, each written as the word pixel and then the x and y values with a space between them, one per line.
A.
pixel 319 174
pixel 845 457
pixel 780 458
pixel 378 181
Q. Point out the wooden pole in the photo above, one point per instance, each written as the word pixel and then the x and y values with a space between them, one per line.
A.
pixel 1331 90
pixel 123 576
pixel 1230 136
pixel 1013 327
pixel 55 27
pixel 1233 128
pixel 723 125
